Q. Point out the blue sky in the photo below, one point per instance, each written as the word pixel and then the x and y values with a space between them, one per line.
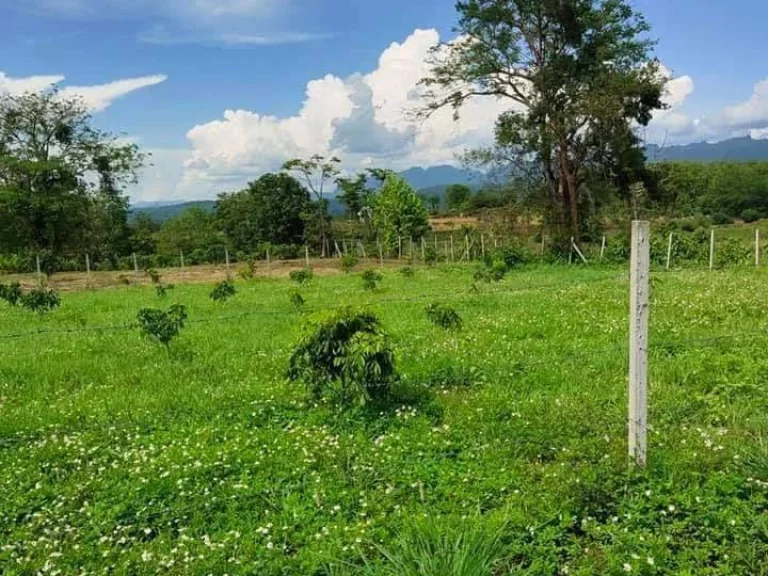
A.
pixel 223 90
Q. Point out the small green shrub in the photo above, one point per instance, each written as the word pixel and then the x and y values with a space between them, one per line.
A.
pixel 371 279
pixel 444 316
pixel 720 219
pixel 223 291
pixel 162 325
pixel 40 300
pixel 344 355
pixel 348 262
pixel 249 272
pixel 154 275
pixel 162 289
pixel 493 272
pixel 430 256
pixel 297 300
pixel 11 293
pixel 751 215
pixel 301 276
pixel 406 271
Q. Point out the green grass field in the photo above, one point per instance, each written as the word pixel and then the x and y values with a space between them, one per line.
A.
pixel 505 440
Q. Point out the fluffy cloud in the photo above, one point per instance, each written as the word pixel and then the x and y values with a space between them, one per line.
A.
pixel 365 118
pixel 749 115
pixel 97 97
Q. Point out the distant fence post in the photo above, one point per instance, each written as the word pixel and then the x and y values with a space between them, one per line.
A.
pixel 423 248
pixel 362 249
pixel 602 249
pixel 344 245
pixel 88 265
pixel 482 246
pixel 135 263
pixel 306 255
pixel 570 253
pixel 39 273
pixel 338 251
pixel 757 247
pixel 453 258
pixel 638 342
pixel 399 247
pixel 669 251
pixel 711 248
pixel 181 258
pixel 226 258
pixel 583 259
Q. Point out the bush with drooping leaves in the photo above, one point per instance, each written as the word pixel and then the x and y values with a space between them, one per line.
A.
pixel 344 356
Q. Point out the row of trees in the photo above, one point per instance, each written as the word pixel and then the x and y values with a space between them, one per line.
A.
pixel 62 196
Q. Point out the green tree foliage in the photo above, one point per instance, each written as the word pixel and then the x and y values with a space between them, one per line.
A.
pixel 398 212
pixel 193 229
pixel 730 188
pixel 61 179
pixel 353 193
pixel 457 196
pixel 143 231
pixel 315 173
pixel 579 74
pixel 271 209
pixel 344 355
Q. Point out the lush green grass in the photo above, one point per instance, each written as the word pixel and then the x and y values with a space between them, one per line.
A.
pixel 508 435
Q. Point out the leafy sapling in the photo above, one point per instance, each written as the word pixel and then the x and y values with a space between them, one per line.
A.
pixel 223 291
pixel 301 276
pixel 40 300
pixel 371 279
pixel 348 262
pixel 162 325
pixel 345 356
pixel 443 316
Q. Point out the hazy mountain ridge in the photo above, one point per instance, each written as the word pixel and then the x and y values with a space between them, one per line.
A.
pixel 432 181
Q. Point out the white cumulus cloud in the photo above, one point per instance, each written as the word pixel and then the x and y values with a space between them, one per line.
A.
pixel 364 118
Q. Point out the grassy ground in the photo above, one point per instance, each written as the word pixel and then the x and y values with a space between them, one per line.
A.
pixel 506 438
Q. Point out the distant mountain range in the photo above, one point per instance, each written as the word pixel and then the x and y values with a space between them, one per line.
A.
pixel 733 150
pixel 435 179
